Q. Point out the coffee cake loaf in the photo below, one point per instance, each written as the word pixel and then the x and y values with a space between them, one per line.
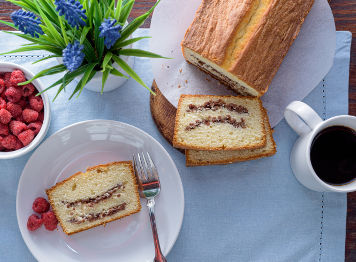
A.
pixel 243 42
pixel 203 158
pixel 206 122
pixel 100 195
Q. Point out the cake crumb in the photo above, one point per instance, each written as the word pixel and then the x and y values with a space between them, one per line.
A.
pixel 179 86
pixel 208 79
pixel 180 70
pixel 167 66
pixel 186 81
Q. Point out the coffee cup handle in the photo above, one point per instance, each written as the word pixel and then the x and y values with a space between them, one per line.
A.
pixel 301 117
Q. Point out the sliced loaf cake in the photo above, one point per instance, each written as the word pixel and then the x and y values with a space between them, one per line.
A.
pixel 102 194
pixel 206 122
pixel 202 158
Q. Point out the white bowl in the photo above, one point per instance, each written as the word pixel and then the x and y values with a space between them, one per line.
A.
pixel 9 67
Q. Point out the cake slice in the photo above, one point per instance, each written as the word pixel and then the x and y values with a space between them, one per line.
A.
pixel 206 122
pixel 203 158
pixel 243 42
pixel 100 195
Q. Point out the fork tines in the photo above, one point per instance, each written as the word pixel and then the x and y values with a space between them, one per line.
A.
pixel 145 168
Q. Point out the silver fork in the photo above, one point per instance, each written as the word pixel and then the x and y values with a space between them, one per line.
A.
pixel 149 184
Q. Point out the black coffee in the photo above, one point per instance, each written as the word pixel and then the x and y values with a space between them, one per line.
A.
pixel 333 155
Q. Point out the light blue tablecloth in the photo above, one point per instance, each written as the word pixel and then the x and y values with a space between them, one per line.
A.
pixel 252 211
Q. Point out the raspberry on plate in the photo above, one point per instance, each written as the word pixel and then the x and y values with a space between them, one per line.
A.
pixel 13 94
pixel 14 109
pixel 35 127
pixel 29 115
pixel 2 86
pixel 17 76
pixel 40 116
pixel 28 90
pixel 2 103
pixel 1 147
pixel 5 116
pixel 34 222
pixel 26 137
pixel 4 129
pixel 17 127
pixel 9 142
pixel 36 103
pixel 40 205
pixel 49 220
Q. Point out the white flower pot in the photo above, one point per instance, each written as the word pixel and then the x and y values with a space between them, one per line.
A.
pixel 113 82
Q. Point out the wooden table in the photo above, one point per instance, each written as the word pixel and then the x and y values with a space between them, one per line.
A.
pixel 345 18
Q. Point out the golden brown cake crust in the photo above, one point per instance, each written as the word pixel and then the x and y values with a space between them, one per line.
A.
pixel 177 144
pixel 211 32
pixel 216 21
pixel 48 192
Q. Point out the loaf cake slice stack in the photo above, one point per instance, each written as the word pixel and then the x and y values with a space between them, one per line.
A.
pixel 222 129
pixel 100 195
pixel 243 42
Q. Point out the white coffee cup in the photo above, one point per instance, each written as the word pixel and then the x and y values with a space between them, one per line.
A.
pixel 307 124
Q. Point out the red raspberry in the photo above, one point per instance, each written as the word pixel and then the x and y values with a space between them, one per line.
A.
pixel 17 76
pixel 2 103
pixel 23 103
pixel 7 76
pixel 34 222
pixel 1 147
pixel 19 118
pixel 14 109
pixel 35 127
pixel 28 90
pixel 40 205
pixel 49 220
pixel 2 86
pixel 9 142
pixel 13 94
pixel 29 115
pixel 40 116
pixel 36 103
pixel 26 137
pixel 4 129
pixel 17 127
pixel 18 145
pixel 5 116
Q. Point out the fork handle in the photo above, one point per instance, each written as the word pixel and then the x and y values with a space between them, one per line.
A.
pixel 158 253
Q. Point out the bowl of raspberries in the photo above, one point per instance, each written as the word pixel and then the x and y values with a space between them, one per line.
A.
pixel 24 115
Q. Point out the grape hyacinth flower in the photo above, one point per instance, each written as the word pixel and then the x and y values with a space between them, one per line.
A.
pixel 73 12
pixel 73 56
pixel 110 32
pixel 27 22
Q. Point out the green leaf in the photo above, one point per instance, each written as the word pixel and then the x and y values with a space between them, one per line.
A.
pixel 139 53
pixel 34 40
pixel 49 71
pixel 109 10
pixel 86 77
pixel 8 24
pixel 129 42
pixel 104 78
pixel 64 34
pixel 106 60
pixel 48 26
pixel 84 34
pixel 25 5
pixel 45 58
pixel 126 10
pixel 116 72
pixel 69 76
pixel 50 11
pixel 130 71
pixel 118 9
pixel 56 51
pixel 136 23
pixel 99 42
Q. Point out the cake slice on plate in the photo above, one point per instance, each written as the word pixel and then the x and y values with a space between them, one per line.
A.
pixel 100 195
pixel 202 158
pixel 206 122
pixel 243 42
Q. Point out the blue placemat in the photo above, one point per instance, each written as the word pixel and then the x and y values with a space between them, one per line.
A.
pixel 252 211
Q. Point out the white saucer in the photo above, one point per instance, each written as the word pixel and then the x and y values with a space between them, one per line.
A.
pixel 75 148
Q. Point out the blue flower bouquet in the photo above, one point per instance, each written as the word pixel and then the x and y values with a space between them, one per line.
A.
pixel 89 36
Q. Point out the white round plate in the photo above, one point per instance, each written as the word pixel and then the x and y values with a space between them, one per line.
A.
pixel 75 148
